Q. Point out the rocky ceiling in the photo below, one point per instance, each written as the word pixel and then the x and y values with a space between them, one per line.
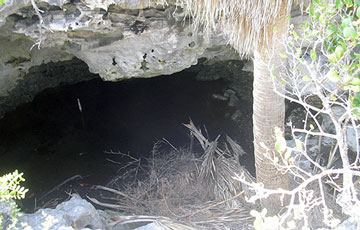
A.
pixel 117 40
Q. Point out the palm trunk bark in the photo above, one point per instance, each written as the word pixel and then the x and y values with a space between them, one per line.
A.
pixel 268 108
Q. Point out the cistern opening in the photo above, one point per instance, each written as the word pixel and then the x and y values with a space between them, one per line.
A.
pixel 70 131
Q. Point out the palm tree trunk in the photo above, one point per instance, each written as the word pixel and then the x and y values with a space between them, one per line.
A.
pixel 268 108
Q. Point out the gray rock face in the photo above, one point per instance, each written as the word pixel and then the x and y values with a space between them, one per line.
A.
pixel 44 76
pixel 7 208
pixel 115 39
pixel 348 224
pixel 73 214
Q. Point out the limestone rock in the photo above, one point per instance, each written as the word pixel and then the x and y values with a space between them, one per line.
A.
pixel 353 142
pixel 81 212
pixel 115 39
pixel 248 66
pixel 348 224
pixel 73 214
pixel 7 208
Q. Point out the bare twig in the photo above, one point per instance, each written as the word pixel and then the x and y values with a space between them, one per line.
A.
pixel 61 184
pixel 112 190
pixel 106 205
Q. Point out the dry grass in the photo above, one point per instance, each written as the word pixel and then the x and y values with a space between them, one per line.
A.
pixel 197 190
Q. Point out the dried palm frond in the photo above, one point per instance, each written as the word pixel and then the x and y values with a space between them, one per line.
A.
pixel 219 167
pixel 198 191
pixel 235 147
pixel 242 21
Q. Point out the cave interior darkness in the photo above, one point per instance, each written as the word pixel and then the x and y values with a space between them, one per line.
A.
pixel 50 140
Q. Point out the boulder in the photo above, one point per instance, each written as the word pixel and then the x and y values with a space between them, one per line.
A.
pixel 75 213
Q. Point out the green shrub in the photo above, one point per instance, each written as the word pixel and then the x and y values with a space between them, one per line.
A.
pixel 10 189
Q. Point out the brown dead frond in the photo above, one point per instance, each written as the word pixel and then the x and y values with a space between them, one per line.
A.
pixel 220 167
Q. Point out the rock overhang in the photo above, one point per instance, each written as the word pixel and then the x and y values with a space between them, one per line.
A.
pixel 116 39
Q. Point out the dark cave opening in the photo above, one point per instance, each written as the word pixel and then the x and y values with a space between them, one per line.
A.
pixel 50 139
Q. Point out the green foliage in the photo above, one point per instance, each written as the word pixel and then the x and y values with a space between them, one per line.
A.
pixel 335 26
pixel 263 222
pixel 10 189
pixel 326 56
pixel 2 2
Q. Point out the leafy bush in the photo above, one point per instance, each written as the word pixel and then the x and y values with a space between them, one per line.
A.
pixel 322 64
pixel 10 189
pixel 335 27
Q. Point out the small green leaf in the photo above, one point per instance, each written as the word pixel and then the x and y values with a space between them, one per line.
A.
pixel 357 22
pixel 273 69
pixel 339 4
pixel 345 68
pixel 332 58
pixel 322 19
pixel 348 3
pixel 311 127
pixel 333 76
pixel 283 55
pixel 278 132
pixel 299 144
pixel 339 52
pixel 357 113
pixel 313 55
pixel 358 12
pixel 356 100
pixel 258 223
pixel 355 81
pixel 343 44
pixel 280 145
pixel 306 78
pixel 349 33
pixel 311 10
pixel 346 78
pixel 355 88
pixel 296 36
pixel 346 22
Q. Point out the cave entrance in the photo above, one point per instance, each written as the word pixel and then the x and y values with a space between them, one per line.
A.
pixel 70 130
